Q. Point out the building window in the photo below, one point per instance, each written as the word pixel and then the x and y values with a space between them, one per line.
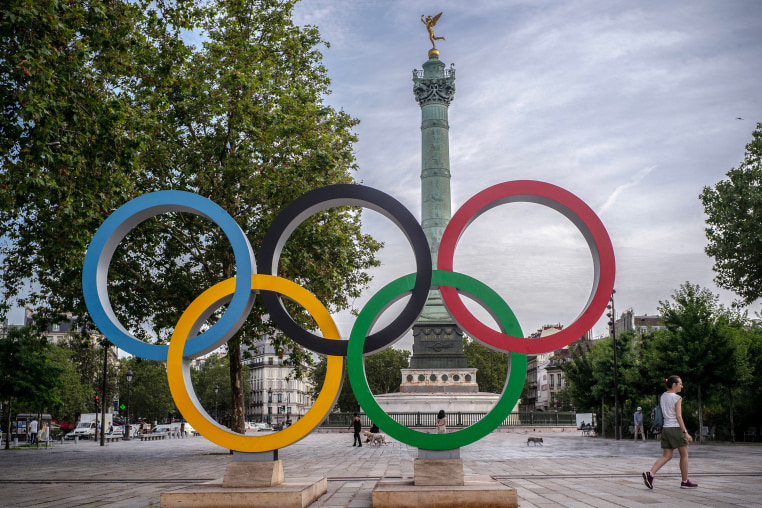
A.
pixel 270 360
pixel 551 381
pixel 559 380
pixel 56 328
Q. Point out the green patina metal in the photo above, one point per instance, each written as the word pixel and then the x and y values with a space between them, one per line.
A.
pixel 437 340
pixel 434 88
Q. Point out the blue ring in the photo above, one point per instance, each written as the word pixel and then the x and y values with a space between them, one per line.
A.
pixel 116 227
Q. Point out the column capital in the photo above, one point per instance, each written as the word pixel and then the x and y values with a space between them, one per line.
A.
pixel 434 84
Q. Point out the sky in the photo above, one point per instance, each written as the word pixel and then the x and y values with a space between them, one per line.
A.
pixel 634 107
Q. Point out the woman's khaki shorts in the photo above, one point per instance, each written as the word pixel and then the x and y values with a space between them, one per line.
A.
pixel 673 437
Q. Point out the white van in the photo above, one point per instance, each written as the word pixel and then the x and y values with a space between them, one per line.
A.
pixel 189 430
pixel 166 427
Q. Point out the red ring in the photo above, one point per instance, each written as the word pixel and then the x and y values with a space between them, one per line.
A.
pixel 573 209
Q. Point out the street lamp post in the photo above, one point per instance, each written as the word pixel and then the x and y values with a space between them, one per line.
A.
pixel 612 323
pixel 129 383
pixel 216 389
pixel 269 400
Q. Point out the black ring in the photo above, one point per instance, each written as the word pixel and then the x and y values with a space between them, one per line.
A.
pixel 321 199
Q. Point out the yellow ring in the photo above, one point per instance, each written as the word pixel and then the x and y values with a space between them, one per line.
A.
pixel 178 368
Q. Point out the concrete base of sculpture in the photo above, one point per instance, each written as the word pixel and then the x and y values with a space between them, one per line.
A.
pixel 439 482
pixel 442 472
pixel 251 479
pixel 298 493
pixel 474 493
pixel 253 474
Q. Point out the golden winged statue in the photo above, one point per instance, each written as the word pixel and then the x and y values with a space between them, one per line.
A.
pixel 430 23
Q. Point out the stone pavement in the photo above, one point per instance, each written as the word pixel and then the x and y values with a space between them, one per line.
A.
pixel 569 470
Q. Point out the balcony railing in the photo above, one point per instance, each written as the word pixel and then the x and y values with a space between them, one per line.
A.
pixel 448 73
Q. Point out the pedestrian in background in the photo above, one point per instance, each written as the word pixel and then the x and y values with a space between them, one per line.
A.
pixel 638 418
pixel 33 431
pixel 357 424
pixel 441 422
pixel 673 435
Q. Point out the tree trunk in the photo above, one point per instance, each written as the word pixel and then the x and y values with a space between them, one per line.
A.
pixel 603 419
pixel 700 415
pixel 732 425
pixel 237 423
pixel 236 387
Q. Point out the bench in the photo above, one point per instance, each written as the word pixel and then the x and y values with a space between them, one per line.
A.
pixel 153 437
pixel 113 437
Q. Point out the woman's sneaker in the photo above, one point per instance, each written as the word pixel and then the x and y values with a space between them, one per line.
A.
pixel 687 484
pixel 648 478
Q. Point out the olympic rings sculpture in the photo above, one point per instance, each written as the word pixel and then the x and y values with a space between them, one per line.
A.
pixel 239 293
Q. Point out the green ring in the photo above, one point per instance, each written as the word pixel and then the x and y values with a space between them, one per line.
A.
pixel 356 366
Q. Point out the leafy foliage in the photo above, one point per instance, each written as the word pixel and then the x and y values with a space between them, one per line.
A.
pixel 734 224
pixel 150 398
pixel 492 373
pixel 27 375
pixel 216 371
pixel 382 370
pixel 346 401
pixel 103 101
pixel 713 349
pixel 74 396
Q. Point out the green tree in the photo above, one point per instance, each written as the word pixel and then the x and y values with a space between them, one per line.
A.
pixel 150 398
pixel 696 343
pixel 346 401
pixel 27 376
pixel 106 101
pixel 580 383
pixel 87 356
pixel 243 122
pixel 74 396
pixel 382 370
pixel 734 224
pixel 69 140
pixel 492 366
pixel 215 371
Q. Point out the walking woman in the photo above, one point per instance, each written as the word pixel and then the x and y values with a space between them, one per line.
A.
pixel 673 435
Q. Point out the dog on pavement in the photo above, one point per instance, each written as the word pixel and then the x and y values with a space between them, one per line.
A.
pixel 534 440
pixel 375 439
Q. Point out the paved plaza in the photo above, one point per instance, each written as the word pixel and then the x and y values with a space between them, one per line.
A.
pixel 568 470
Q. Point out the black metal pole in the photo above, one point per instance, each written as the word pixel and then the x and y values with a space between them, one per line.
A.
pixel 216 389
pixel 617 430
pixel 129 385
pixel 129 435
pixel 103 402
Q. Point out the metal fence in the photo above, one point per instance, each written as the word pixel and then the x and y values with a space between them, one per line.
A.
pixel 412 420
